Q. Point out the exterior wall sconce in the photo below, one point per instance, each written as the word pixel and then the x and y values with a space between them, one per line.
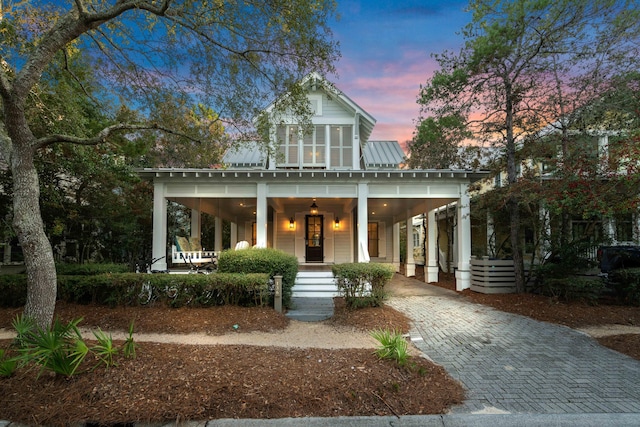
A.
pixel 292 223
pixel 336 224
pixel 314 208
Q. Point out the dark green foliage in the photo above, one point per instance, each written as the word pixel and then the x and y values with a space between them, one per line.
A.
pixel 90 269
pixel 626 285
pixel 392 345
pixel 362 284
pixel 13 290
pixel 174 290
pixel 59 349
pixel 560 275
pixel 263 260
pixel 575 288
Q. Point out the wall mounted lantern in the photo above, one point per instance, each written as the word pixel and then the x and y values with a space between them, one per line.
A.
pixel 292 223
pixel 336 224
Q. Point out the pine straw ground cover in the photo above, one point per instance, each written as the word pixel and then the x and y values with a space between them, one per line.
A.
pixel 190 382
pixel 174 382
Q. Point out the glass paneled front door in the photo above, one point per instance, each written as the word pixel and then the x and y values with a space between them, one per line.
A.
pixel 314 238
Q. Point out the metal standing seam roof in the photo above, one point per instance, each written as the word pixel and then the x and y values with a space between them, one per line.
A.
pixel 246 155
pixel 383 154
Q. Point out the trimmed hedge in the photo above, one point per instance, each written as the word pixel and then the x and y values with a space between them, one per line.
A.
pixel 174 290
pixel 362 284
pixel 262 260
pixel 90 269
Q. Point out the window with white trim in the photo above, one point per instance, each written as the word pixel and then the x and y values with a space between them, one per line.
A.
pixel 314 148
pixel 287 137
pixel 341 147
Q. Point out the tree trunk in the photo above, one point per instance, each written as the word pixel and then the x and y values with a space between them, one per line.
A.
pixel 518 262
pixel 38 256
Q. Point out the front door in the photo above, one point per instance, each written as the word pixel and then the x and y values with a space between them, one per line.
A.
pixel 314 238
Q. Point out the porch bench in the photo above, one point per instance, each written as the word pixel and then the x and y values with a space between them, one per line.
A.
pixel 193 257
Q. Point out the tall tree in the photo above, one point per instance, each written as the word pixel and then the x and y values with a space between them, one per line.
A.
pixel 230 56
pixel 436 142
pixel 503 80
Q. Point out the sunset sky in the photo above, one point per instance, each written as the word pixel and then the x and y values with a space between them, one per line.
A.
pixel 386 51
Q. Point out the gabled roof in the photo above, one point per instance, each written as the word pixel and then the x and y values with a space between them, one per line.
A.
pixel 383 154
pixel 315 81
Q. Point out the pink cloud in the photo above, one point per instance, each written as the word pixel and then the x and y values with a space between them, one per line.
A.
pixel 388 91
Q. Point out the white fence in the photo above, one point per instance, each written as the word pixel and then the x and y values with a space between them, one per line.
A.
pixel 492 276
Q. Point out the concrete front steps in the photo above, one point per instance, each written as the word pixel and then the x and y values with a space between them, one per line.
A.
pixel 313 292
pixel 315 284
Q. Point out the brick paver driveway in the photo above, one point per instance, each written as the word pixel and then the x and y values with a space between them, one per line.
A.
pixel 513 364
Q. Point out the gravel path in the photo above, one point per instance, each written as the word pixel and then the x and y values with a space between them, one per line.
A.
pixel 296 335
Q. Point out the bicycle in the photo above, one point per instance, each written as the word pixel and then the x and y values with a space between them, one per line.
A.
pixel 208 268
pixel 146 295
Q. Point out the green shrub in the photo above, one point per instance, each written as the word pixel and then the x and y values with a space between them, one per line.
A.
pixel 392 345
pixel 262 260
pixel 626 285
pixel 177 290
pixel 174 290
pixel 575 288
pixel 362 284
pixel 59 348
pixel 90 269
pixel 8 364
pixel 13 290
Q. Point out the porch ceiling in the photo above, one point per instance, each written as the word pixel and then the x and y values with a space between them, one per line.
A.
pixel 243 209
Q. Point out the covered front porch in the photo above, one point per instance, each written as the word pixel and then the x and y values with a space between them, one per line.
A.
pixel 321 217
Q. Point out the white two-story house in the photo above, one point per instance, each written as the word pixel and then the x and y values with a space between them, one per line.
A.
pixel 328 196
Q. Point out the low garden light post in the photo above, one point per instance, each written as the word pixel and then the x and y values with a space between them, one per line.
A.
pixel 277 300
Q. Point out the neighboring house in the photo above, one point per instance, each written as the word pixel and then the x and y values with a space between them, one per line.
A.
pixel 622 229
pixel 328 197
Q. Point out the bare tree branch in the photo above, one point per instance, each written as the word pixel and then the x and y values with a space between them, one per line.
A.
pixel 105 133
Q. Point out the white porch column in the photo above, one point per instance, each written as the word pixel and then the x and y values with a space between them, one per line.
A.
pixel 431 262
pixel 410 263
pixel 463 274
pixel 159 246
pixel 396 246
pixel 261 216
pixel 363 218
pixel 217 236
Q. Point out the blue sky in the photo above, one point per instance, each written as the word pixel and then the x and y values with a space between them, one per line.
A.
pixel 386 51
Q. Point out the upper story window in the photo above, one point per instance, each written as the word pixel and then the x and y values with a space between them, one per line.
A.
pixel 288 154
pixel 313 148
pixel 341 146
pixel 310 150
